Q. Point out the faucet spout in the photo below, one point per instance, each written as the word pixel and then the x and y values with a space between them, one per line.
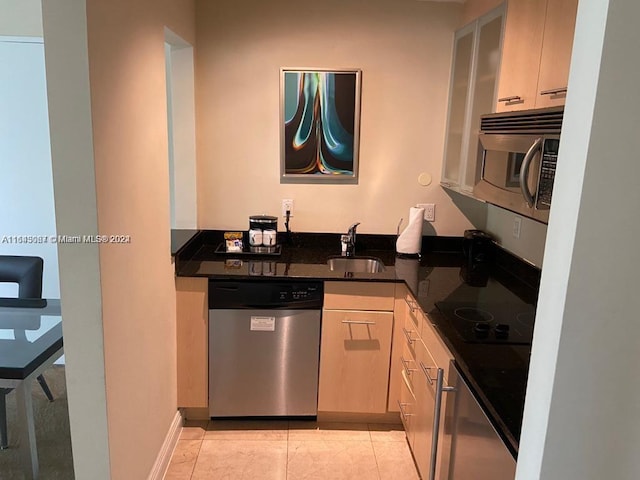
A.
pixel 349 241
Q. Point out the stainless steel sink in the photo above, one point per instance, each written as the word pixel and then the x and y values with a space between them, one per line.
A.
pixel 355 264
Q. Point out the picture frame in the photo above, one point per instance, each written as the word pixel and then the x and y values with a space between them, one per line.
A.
pixel 319 125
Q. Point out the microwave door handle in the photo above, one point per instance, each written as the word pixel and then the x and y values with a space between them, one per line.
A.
pixel 524 171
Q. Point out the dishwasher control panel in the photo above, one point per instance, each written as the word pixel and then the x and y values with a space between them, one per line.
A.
pixel 295 292
pixel 233 294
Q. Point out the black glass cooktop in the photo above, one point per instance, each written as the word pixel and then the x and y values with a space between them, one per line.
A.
pixel 490 322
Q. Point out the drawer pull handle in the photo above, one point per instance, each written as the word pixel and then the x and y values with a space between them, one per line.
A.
pixel 425 370
pixel 513 98
pixel 358 322
pixel 554 91
pixel 407 333
pixel 405 365
pixel 402 412
pixel 411 304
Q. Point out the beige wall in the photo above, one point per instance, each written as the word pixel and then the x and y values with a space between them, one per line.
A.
pixel 129 116
pixel 21 18
pixel 404 51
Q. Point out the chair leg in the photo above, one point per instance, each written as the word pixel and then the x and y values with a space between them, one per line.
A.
pixel 4 442
pixel 45 387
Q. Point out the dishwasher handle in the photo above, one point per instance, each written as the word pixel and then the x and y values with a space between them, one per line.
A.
pixel 281 294
pixel 303 305
pixel 259 306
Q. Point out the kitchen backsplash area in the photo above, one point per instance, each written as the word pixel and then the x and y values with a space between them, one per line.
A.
pixel 503 227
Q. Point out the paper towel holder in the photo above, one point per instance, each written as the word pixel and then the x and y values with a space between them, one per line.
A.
pixel 415 256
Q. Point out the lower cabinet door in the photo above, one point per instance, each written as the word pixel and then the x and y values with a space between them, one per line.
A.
pixel 355 352
pixel 192 341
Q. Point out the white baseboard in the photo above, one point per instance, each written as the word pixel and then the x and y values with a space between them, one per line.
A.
pixel 164 456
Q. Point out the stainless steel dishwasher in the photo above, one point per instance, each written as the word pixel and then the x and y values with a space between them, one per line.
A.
pixel 477 450
pixel 264 348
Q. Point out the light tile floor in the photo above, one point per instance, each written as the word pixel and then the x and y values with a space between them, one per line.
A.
pixel 295 450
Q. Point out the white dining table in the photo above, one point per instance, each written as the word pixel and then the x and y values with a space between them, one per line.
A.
pixel 30 342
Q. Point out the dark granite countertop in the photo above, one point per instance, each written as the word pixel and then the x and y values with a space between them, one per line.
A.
pixel 496 372
pixel 304 256
pixel 180 237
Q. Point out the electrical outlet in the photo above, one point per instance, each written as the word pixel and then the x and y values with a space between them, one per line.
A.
pixel 429 211
pixel 517 226
pixel 287 204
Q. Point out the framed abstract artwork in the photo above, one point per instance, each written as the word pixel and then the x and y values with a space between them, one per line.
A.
pixel 319 125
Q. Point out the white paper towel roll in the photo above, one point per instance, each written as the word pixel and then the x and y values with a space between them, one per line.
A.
pixel 410 240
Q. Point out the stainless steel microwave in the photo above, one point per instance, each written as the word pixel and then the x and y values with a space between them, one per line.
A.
pixel 518 153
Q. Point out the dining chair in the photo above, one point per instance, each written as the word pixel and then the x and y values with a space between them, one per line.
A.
pixel 27 273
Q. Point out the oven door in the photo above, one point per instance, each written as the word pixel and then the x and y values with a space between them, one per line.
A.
pixel 510 171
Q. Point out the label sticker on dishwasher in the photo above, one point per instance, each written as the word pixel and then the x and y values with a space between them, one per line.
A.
pixel 263 324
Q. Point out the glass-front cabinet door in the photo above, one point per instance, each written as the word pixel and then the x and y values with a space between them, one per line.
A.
pixel 458 99
pixel 472 93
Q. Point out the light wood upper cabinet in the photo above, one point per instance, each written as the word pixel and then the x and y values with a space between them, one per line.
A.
pixel 521 49
pixel 556 52
pixel 192 317
pixel 354 361
pixel 536 53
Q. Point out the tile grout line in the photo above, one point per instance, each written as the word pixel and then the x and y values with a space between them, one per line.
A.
pixel 375 457
pixel 286 466
pixel 193 468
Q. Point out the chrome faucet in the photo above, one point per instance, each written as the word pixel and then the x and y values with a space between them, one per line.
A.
pixel 349 241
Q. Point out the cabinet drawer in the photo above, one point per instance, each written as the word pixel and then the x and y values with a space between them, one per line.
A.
pixel 427 367
pixel 437 349
pixel 414 312
pixel 359 295
pixel 410 336
pixel 354 361
pixel 409 367
pixel 407 405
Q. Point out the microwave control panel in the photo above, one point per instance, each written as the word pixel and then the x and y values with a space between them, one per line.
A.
pixel 547 173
